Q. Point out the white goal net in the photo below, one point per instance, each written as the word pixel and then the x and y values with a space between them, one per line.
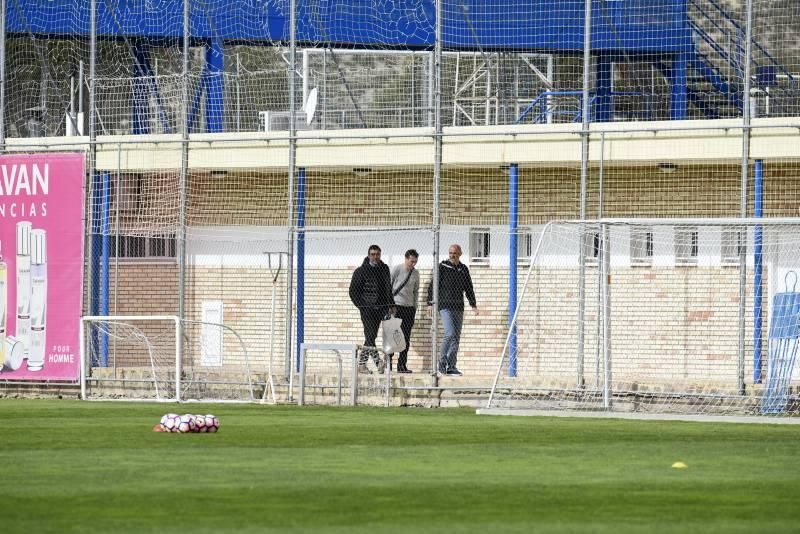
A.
pixel 686 316
pixel 164 358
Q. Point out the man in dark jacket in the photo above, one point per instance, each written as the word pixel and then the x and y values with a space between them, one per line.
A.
pixel 371 293
pixel 454 283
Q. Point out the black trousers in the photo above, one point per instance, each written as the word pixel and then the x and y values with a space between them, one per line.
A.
pixel 407 314
pixel 371 319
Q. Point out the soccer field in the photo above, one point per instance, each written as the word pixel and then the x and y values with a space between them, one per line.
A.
pixel 97 467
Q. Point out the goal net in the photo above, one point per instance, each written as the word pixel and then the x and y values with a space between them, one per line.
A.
pixel 682 316
pixel 166 359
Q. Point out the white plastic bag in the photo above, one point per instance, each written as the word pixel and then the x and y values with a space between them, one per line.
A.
pixel 393 338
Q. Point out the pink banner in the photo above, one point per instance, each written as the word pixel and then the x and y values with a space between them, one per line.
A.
pixel 41 243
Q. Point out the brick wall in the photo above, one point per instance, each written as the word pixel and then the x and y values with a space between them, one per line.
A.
pixel 671 323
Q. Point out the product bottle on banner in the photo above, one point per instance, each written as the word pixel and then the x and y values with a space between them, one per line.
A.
pixel 24 285
pixel 13 356
pixel 38 299
pixel 3 304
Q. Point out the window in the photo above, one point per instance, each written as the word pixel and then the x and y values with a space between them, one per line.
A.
pixel 164 247
pixel 731 246
pixel 524 246
pixel 641 245
pixel 686 245
pixel 591 246
pixel 128 191
pixel 479 246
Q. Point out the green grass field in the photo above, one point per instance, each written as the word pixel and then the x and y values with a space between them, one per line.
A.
pixel 97 467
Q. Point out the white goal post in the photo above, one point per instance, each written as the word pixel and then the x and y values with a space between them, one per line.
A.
pixel 164 358
pixel 688 316
pixel 88 352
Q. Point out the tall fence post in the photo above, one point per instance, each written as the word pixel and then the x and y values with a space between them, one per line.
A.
pixel 758 271
pixel 301 256
pixel 290 186
pixel 513 177
pixel 181 230
pixel 2 76
pixel 105 231
pixel 585 119
pixel 437 177
pixel 743 195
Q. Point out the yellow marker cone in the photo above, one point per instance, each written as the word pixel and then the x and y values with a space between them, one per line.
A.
pixel 679 465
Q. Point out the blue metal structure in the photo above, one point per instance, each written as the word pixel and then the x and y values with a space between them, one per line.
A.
pixel 656 31
pixel 552 25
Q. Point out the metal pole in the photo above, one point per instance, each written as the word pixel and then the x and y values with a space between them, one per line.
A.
pixel 95 244
pixel 600 320
pixel 215 86
pixel 301 255
pixel 513 173
pixel 238 93
pixel 413 122
pixel 82 363
pixel 431 69
pixel 116 248
pixel 301 360
pixel 90 194
pixel 181 230
pixel 105 224
pixel 743 194
pixel 324 88
pixel 290 184
pixel 306 70
pixel 2 75
pixel 354 377
pixel 80 94
pixel 437 176
pixel 606 283
pixel 178 351
pixel 585 115
pixel 758 271
pixel 550 76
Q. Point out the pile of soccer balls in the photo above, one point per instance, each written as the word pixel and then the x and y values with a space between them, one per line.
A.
pixel 187 423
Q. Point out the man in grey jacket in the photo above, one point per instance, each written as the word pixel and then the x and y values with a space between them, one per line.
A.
pixel 405 290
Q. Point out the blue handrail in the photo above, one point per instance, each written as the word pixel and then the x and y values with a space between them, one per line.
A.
pixel 736 25
pixel 735 63
pixel 541 99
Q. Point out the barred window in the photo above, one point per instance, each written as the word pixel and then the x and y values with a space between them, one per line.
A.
pixel 163 247
pixel 641 245
pixel 687 245
pixel 733 242
pixel 591 246
pixel 479 246
pixel 524 246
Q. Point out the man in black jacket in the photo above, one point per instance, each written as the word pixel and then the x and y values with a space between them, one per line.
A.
pixel 371 293
pixel 454 283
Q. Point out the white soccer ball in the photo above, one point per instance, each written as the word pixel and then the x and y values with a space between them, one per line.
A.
pixel 185 423
pixel 212 423
pixel 200 423
pixel 170 422
pixel 192 422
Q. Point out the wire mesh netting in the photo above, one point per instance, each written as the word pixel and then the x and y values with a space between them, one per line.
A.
pixel 241 167
pixel 373 66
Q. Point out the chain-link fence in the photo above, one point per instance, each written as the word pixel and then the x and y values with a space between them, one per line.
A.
pixel 250 154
